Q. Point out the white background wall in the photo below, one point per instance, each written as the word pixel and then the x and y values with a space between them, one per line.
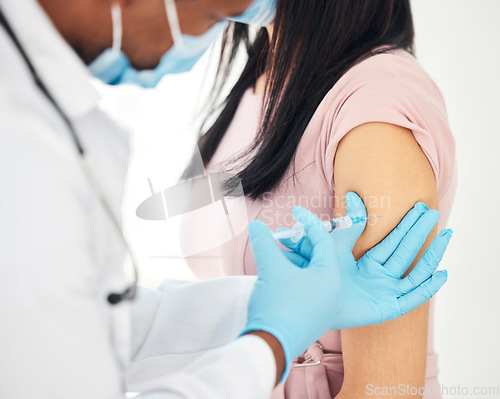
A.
pixel 457 43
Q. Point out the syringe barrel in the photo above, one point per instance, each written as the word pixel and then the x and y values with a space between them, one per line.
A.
pixel 295 233
pixel 344 222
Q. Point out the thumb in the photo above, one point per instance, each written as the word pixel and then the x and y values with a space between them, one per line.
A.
pixel 264 247
pixel 355 209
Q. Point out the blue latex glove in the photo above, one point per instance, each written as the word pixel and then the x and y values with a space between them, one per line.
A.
pixel 299 304
pixel 373 290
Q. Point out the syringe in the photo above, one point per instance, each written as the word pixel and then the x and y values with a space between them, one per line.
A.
pixel 297 231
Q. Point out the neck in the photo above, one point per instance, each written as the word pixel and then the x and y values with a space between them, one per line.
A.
pixel 270 30
pixel 146 34
pixel 86 26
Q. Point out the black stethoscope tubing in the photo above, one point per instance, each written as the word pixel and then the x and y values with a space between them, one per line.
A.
pixel 130 291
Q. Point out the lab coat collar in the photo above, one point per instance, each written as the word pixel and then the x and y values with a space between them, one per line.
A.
pixel 64 74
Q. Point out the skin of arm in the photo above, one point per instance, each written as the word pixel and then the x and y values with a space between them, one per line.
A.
pixel 276 348
pixel 385 165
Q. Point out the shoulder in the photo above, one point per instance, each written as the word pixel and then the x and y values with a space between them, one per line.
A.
pixel 395 73
pixel 389 88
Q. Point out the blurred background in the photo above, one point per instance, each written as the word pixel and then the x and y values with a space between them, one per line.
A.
pixel 457 43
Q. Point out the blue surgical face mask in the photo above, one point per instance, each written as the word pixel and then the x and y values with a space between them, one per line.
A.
pixel 260 13
pixel 114 68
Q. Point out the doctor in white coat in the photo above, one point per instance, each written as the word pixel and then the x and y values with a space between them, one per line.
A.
pixel 67 326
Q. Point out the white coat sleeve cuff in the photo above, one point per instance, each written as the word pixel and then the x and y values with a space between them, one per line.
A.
pixel 243 369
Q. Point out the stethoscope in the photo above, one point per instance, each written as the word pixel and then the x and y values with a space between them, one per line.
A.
pixel 114 297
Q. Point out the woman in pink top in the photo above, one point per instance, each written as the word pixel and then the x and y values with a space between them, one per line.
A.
pixel 331 101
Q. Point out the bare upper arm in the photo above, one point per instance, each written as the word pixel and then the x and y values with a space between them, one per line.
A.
pixel 385 165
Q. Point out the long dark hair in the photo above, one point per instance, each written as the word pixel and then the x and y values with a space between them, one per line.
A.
pixel 314 43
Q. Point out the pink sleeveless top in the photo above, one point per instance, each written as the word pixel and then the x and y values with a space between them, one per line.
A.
pixel 389 88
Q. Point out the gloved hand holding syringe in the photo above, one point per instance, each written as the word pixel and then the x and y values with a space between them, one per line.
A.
pixel 297 231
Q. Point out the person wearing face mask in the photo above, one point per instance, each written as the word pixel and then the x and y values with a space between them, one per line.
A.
pixel 113 67
pixel 72 326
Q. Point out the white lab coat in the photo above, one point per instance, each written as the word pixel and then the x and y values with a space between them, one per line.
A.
pixel 60 257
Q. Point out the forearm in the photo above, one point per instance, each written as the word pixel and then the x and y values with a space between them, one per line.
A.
pixel 164 340
pixel 242 369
